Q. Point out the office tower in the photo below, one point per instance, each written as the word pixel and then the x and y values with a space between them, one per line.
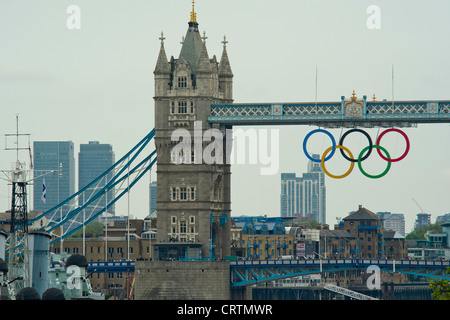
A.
pixel 153 195
pixel 393 221
pixel 444 218
pixel 57 156
pixel 423 220
pixel 94 159
pixel 305 195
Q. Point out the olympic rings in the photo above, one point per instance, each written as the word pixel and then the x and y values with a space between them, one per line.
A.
pixel 352 164
pixel 407 145
pixel 362 156
pixel 381 174
pixel 310 134
pixel 341 142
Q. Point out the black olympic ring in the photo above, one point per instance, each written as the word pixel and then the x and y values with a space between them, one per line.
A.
pixel 341 142
pixel 360 158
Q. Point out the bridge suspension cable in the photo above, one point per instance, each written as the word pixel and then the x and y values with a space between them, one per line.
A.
pixel 89 202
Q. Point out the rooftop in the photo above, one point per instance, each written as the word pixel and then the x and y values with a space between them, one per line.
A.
pixel 362 214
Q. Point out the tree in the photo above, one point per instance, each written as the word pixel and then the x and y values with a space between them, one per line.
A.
pixel 93 228
pixel 419 233
pixel 441 288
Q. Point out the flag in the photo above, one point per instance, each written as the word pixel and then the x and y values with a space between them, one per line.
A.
pixel 44 192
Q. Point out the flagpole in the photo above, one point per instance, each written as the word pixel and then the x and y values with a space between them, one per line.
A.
pixel 316 85
pixel 392 85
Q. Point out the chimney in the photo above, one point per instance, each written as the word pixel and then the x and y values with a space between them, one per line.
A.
pixel 360 207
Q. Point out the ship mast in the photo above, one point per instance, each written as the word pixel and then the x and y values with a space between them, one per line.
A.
pixel 17 177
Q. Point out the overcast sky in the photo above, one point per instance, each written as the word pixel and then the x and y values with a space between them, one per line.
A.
pixel 96 83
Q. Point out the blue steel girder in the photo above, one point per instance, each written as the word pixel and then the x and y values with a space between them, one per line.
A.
pixel 346 113
pixel 250 272
pixel 111 266
pixel 73 217
pixel 261 274
pixel 429 272
pixel 422 268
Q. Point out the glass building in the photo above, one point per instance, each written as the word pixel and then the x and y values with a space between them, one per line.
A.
pixel 305 195
pixel 57 156
pixel 94 159
pixel 153 196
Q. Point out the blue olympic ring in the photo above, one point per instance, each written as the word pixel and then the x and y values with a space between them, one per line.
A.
pixel 306 140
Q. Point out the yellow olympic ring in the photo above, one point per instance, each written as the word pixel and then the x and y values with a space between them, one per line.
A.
pixel 322 162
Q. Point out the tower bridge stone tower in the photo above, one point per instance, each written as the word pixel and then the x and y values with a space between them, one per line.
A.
pixel 193 198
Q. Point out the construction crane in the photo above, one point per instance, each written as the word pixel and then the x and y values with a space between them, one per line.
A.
pixel 421 210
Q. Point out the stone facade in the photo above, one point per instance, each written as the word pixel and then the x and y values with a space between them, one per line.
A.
pixel 188 193
pixel 182 280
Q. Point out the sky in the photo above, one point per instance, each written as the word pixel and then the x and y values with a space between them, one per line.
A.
pixel 96 83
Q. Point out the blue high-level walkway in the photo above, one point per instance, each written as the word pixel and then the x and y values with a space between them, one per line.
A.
pixel 344 113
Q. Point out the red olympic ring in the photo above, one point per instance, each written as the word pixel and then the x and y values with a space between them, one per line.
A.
pixel 360 158
pixel 407 145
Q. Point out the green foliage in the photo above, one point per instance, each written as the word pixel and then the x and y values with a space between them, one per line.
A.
pixel 441 288
pixel 305 222
pixel 93 228
pixel 419 233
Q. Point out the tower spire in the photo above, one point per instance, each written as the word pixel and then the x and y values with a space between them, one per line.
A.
pixel 193 14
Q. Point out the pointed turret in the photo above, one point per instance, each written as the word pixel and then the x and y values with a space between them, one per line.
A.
pixel 225 74
pixel 224 65
pixel 162 71
pixel 162 64
pixel 192 42
pixel 204 65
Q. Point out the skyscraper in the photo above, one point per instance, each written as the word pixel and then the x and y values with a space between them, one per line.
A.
pixel 49 156
pixel 153 195
pixel 94 159
pixel 305 195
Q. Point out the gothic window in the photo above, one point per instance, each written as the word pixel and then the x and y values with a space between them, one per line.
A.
pixel 183 193
pixel 192 219
pixel 182 82
pixel 179 158
pixel 182 107
pixel 192 194
pixel 173 194
pixel 192 106
pixel 172 109
pixel 183 227
pixel 174 219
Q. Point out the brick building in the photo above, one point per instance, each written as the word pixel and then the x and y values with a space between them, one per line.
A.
pixel 368 230
pixel 114 247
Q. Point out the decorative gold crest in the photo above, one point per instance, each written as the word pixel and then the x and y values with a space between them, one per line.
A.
pixel 353 108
